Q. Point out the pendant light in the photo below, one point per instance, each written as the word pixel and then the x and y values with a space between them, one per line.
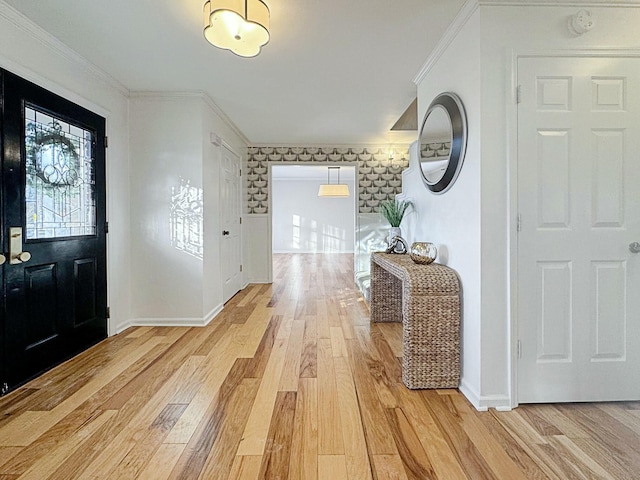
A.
pixel 339 190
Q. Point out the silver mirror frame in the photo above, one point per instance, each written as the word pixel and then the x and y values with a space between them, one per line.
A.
pixel 454 108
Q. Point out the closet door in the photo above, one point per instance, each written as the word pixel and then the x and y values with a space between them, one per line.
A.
pixel 578 270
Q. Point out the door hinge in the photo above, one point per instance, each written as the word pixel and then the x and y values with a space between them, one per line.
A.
pixel 108 312
pixel 240 173
pixel 106 142
pixel 240 267
pixel 519 348
pixel 5 389
pixel 106 227
pixel 519 223
pixel 240 220
pixel 518 93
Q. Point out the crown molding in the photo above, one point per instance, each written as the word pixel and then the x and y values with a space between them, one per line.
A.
pixel 470 6
pixel 595 52
pixel 167 94
pixel 197 94
pixel 225 118
pixel 461 19
pixel 48 41
pixel 560 3
pixel 384 146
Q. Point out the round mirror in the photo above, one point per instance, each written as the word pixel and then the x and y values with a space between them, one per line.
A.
pixel 443 140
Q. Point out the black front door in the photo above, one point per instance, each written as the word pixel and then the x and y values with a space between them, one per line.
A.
pixel 53 230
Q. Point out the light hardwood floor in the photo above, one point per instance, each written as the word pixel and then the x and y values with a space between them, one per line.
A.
pixel 290 382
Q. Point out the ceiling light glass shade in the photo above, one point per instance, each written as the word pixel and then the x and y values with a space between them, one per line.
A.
pixel 333 190
pixel 241 26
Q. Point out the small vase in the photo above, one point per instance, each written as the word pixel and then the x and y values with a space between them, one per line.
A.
pixel 423 252
pixel 393 232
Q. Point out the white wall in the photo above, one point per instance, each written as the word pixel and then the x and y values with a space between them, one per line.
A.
pixel 302 222
pixel 452 220
pixel 257 248
pixel 473 223
pixel 28 51
pixel 509 31
pixel 166 151
pixel 171 147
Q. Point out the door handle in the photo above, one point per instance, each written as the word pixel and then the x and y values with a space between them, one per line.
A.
pixel 225 232
pixel 16 255
pixel 634 247
pixel 2 259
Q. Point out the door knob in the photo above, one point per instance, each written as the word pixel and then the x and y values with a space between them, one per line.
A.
pixel 225 232
pixel 634 247
pixel 16 255
pixel 2 259
pixel 23 256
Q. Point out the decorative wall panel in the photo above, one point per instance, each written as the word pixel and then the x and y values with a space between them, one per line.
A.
pixel 379 176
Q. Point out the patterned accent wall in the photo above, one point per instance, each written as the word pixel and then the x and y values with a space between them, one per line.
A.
pixel 435 150
pixel 379 177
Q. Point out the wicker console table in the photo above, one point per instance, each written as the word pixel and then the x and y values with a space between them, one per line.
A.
pixel 426 299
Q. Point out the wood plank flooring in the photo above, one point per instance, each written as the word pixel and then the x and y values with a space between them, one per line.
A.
pixel 290 381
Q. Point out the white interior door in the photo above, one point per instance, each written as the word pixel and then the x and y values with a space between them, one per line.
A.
pixel 579 206
pixel 231 207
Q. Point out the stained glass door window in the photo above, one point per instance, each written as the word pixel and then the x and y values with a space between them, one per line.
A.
pixel 60 179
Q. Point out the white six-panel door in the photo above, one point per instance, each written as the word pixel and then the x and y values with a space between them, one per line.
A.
pixel 230 204
pixel 579 206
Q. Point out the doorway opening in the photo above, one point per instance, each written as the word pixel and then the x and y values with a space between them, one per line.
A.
pixel 302 221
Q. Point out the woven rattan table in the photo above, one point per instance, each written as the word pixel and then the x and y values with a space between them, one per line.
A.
pixel 426 299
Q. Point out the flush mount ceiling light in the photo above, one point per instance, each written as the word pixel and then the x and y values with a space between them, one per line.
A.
pixel 333 189
pixel 241 26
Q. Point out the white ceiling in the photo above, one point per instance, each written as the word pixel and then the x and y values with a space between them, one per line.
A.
pixel 334 72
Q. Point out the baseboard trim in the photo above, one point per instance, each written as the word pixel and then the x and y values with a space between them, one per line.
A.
pixel 213 313
pixel 482 403
pixel 122 327
pixel 472 395
pixel 177 322
pixel 309 251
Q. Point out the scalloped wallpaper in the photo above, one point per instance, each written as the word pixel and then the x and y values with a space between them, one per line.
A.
pixel 379 177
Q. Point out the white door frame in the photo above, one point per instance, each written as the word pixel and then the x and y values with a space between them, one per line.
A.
pixel 270 199
pixel 511 81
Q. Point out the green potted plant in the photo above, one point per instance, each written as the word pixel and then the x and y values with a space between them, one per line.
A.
pixel 393 212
